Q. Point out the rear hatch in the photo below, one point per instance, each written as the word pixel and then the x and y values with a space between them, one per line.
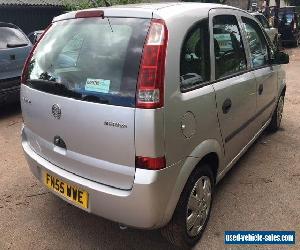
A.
pixel 80 97
pixel 14 49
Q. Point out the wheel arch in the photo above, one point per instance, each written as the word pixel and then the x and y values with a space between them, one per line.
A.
pixel 208 152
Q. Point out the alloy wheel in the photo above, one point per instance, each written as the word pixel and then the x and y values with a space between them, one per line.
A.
pixel 198 206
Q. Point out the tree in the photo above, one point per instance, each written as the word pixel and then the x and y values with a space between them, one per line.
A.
pixel 276 20
pixel 85 4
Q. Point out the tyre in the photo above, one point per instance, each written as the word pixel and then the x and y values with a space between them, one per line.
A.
pixel 277 115
pixel 193 210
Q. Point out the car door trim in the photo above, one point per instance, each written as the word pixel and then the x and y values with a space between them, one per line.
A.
pixel 241 128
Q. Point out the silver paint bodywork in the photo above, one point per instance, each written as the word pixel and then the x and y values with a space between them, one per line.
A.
pixel 190 126
pixel 11 65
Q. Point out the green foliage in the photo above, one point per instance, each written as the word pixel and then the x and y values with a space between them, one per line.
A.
pixel 85 4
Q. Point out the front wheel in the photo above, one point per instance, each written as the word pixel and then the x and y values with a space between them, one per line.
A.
pixel 277 115
pixel 193 210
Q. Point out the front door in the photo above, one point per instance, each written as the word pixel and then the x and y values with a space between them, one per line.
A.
pixel 265 73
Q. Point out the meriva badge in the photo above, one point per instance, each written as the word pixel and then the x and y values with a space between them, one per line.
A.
pixel 115 124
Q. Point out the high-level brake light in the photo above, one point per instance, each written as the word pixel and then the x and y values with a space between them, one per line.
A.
pixel 89 13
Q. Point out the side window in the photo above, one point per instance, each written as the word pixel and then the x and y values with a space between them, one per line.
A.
pixel 195 61
pixel 257 43
pixel 230 55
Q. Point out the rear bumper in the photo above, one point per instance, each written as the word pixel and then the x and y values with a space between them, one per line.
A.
pixel 144 206
pixel 291 37
pixel 9 90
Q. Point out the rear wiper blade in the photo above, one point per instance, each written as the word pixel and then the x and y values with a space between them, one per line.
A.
pixel 53 87
pixel 93 98
pixel 56 88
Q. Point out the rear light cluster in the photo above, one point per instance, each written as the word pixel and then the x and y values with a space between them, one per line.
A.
pixel 150 90
pixel 25 72
pixel 150 163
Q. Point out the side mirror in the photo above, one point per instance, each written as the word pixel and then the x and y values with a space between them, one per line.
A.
pixel 281 58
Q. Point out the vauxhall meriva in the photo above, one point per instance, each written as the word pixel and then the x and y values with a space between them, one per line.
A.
pixel 134 113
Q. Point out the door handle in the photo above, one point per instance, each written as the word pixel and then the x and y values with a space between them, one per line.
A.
pixel 226 106
pixel 260 89
pixel 12 57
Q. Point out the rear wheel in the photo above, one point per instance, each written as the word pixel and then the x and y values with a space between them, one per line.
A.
pixel 277 115
pixel 193 210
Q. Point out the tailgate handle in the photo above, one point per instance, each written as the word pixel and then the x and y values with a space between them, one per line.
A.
pixel 59 142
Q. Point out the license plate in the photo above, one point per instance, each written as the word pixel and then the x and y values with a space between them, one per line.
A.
pixel 70 192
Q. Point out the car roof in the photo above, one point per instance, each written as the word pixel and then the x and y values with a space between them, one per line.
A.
pixel 152 10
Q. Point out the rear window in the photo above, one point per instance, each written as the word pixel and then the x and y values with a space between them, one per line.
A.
pixel 11 37
pixel 92 59
pixel 285 18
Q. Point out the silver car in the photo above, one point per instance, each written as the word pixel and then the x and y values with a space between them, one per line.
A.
pixel 271 31
pixel 14 49
pixel 135 113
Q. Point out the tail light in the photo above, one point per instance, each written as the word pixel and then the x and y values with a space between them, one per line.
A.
pixel 150 163
pixel 150 90
pixel 25 72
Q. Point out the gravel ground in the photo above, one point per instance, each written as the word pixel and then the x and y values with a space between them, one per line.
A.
pixel 261 192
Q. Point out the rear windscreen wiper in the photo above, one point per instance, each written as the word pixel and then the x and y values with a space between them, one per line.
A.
pixel 60 89
pixel 53 87
pixel 93 98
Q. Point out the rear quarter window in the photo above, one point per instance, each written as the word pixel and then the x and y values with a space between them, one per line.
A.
pixel 195 61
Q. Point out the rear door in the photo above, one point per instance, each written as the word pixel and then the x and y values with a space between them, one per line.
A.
pixel 14 49
pixel 81 85
pixel 234 84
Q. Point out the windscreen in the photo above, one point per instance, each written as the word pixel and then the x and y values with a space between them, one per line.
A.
pixel 90 59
